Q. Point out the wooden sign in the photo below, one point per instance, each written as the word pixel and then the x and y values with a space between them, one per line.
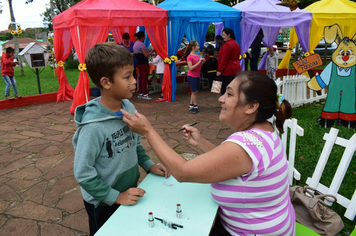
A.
pixel 307 63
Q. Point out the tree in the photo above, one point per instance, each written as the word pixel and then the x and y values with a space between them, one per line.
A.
pixel 12 18
pixel 56 7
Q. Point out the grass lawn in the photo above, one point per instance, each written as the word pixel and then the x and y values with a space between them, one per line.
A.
pixel 27 84
pixel 308 147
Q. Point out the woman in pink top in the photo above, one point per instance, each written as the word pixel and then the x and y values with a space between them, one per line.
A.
pixel 248 172
pixel 194 64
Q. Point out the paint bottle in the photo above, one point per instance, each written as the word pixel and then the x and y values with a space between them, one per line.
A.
pixel 179 211
pixel 151 221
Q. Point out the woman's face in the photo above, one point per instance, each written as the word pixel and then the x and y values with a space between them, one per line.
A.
pixel 126 41
pixel 231 110
pixel 225 36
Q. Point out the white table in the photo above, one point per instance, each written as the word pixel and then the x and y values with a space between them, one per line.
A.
pixel 162 195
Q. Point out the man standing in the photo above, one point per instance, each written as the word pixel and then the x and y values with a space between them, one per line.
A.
pixel 256 50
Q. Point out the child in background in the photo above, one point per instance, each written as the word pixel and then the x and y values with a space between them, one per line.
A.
pixel 272 63
pixel 159 62
pixel 194 64
pixel 107 152
pixel 210 66
pixel 7 72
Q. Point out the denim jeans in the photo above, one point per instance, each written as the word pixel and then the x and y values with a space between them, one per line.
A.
pixel 9 80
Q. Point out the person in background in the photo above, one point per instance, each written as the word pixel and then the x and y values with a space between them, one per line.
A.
pixel 256 50
pixel 107 152
pixel 228 59
pixel 247 59
pixel 7 72
pixel 248 172
pixel 272 62
pixel 159 62
pixel 194 66
pixel 129 46
pixel 219 42
pixel 210 66
pixel 142 55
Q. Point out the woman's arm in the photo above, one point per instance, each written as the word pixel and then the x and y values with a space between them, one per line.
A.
pixel 193 136
pixel 144 51
pixel 223 57
pixel 224 162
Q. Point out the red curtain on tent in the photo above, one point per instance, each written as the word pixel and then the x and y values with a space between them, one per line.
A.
pixel 117 33
pixel 84 38
pixel 158 35
pixel 89 22
pixel 62 47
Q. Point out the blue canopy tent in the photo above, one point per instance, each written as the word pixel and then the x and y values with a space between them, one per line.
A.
pixel 192 18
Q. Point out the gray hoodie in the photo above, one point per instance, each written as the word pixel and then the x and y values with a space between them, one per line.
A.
pixel 107 153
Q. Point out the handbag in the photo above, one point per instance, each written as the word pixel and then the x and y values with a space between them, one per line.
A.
pixel 312 212
pixel 216 86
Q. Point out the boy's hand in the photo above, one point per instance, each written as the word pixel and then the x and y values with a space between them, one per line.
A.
pixel 130 196
pixel 159 169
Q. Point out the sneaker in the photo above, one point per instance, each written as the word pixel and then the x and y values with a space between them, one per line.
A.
pixel 8 97
pixel 160 98
pixel 195 110
pixel 190 108
pixel 140 96
pixel 147 97
pixel 18 95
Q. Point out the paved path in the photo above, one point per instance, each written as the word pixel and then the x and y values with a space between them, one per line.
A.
pixel 38 192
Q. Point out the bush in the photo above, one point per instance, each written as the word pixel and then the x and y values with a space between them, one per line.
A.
pixel 71 64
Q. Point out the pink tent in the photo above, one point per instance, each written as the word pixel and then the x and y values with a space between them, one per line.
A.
pixel 89 22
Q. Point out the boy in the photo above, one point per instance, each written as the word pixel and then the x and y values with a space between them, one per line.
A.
pixel 7 72
pixel 272 63
pixel 107 152
pixel 210 66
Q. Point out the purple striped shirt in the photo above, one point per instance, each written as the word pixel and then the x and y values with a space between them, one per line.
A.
pixel 257 203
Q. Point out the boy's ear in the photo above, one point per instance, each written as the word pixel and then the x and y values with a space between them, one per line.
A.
pixel 252 108
pixel 104 81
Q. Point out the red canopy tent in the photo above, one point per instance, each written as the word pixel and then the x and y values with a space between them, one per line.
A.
pixel 89 22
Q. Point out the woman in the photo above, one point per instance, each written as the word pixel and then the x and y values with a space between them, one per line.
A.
pixel 129 46
pixel 249 170
pixel 142 55
pixel 228 59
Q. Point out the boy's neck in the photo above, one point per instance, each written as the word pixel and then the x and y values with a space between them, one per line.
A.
pixel 110 103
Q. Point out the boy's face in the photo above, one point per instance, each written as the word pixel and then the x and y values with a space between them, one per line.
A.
pixel 124 84
pixel 11 54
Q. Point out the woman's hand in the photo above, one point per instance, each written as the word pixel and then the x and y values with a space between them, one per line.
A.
pixel 192 135
pixel 138 123
pixel 159 169
pixel 130 196
pixel 218 73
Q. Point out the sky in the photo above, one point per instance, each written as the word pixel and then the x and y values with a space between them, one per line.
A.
pixel 27 15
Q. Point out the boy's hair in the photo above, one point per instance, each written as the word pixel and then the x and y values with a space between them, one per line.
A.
pixel 104 59
pixel 9 50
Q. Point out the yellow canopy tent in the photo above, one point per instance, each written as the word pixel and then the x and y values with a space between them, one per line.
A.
pixel 325 13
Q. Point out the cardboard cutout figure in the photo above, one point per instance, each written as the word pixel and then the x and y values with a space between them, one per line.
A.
pixel 339 76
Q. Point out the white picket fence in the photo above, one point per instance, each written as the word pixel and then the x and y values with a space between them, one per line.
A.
pixel 295 90
pixel 331 139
